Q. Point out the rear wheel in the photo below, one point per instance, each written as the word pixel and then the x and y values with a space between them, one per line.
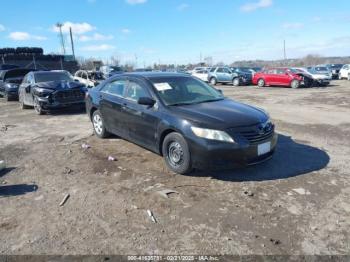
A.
pixel 98 124
pixel 177 154
pixel 236 81
pixel 295 84
pixel 261 83
pixel 37 107
pixel 213 81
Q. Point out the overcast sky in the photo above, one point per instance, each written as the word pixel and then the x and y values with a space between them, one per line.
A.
pixel 178 31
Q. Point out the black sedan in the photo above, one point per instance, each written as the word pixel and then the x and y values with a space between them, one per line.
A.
pixel 10 81
pixel 50 90
pixel 189 123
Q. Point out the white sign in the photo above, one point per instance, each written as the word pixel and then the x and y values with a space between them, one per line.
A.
pixel 163 86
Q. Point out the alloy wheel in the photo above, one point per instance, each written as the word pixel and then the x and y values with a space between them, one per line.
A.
pixel 98 124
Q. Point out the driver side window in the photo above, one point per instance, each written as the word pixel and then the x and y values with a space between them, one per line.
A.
pixel 135 91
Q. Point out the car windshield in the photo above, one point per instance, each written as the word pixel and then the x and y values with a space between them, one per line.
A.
pixel 243 70
pixel 175 91
pixel 321 68
pixel 52 76
pixel 336 66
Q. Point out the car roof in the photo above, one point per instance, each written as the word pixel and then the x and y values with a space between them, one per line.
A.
pixel 149 75
pixel 45 72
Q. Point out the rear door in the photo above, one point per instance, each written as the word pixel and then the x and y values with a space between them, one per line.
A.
pixel 141 121
pixel 111 101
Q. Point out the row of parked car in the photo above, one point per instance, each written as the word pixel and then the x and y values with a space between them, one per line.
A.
pixel 188 122
pixel 320 75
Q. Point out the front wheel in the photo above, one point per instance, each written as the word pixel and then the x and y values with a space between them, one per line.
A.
pixel 295 84
pixel 261 83
pixel 236 81
pixel 176 153
pixel 37 107
pixel 98 124
pixel 213 81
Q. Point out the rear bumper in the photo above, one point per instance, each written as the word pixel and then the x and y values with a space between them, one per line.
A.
pixel 213 155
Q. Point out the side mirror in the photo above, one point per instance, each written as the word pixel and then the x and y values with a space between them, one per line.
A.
pixel 76 80
pixel 146 101
pixel 219 90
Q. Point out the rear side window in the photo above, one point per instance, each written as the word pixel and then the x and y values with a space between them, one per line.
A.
pixel 135 91
pixel 116 87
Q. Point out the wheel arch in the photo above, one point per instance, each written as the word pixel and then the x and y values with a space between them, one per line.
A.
pixel 92 111
pixel 162 136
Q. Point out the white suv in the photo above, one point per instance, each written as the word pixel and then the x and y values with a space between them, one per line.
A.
pixel 345 72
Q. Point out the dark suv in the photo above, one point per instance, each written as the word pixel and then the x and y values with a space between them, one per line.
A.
pixel 10 81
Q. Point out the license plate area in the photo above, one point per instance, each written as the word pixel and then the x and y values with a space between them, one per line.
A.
pixel 264 148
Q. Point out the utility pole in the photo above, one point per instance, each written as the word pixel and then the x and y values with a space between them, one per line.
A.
pixel 284 50
pixel 59 26
pixel 72 42
pixel 34 62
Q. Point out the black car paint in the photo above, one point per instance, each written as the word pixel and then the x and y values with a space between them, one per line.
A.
pixel 10 81
pixel 147 126
pixel 51 99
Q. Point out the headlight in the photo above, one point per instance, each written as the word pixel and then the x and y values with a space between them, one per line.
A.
pixel 42 91
pixel 212 134
pixel 11 85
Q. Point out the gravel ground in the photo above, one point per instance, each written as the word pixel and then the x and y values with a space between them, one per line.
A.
pixel 297 203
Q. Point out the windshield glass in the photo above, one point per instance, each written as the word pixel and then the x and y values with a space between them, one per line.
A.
pixel 321 68
pixel 52 76
pixel 184 91
pixel 243 70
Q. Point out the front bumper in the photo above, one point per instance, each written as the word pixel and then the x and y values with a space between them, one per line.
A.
pixel 12 94
pixel 49 104
pixel 212 155
pixel 323 81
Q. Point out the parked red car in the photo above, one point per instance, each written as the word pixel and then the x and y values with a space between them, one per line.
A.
pixel 278 77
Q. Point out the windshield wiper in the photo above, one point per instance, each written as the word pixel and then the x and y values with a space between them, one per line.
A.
pixel 210 100
pixel 181 104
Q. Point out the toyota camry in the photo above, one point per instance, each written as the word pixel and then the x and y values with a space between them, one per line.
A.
pixel 188 122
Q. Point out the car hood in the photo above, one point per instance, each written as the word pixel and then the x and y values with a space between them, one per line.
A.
pixel 221 114
pixel 59 85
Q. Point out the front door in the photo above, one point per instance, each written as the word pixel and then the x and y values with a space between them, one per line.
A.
pixel 141 121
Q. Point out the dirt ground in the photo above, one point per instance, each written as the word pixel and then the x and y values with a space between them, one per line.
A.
pixel 297 203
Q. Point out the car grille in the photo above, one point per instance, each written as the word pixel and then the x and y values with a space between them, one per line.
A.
pixel 67 96
pixel 254 134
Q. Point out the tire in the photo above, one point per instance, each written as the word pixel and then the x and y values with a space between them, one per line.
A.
pixel 37 107
pixel 261 82
pixel 295 84
pixel 6 97
pixel 236 82
pixel 213 81
pixel 176 154
pixel 98 125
